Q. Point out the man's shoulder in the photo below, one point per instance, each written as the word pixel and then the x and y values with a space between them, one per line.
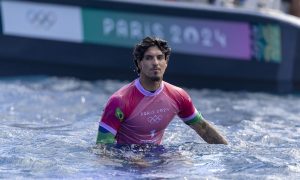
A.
pixel 174 90
pixel 124 91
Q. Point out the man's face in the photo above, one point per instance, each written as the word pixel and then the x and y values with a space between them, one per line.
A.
pixel 153 64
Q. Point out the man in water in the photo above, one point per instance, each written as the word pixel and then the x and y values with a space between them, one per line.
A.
pixel 140 111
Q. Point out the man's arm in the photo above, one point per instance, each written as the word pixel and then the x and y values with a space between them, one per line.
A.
pixel 197 122
pixel 110 121
pixel 208 132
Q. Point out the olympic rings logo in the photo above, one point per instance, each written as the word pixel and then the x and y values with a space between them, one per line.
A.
pixel 41 19
pixel 154 119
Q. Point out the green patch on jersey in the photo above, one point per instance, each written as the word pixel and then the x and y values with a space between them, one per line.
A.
pixel 119 114
pixel 196 119
pixel 105 138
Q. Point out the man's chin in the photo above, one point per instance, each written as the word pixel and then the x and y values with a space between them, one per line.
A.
pixel 156 78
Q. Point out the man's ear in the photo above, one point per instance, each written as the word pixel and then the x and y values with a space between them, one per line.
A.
pixel 139 64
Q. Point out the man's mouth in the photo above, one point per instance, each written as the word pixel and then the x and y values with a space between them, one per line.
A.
pixel 155 69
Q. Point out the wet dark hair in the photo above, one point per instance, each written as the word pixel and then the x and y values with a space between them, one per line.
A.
pixel 147 42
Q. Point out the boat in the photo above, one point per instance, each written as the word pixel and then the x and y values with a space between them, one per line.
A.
pixel 219 48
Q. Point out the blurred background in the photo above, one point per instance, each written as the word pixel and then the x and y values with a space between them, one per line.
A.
pixel 285 6
pixel 226 44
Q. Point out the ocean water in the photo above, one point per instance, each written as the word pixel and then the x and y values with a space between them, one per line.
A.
pixel 48 128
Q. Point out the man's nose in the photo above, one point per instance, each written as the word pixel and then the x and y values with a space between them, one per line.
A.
pixel 155 60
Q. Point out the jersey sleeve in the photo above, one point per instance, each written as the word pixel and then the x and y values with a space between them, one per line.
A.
pixel 112 116
pixel 187 111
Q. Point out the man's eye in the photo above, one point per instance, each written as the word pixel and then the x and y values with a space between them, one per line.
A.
pixel 148 57
pixel 160 57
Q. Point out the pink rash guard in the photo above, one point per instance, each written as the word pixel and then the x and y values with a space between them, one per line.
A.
pixel 137 116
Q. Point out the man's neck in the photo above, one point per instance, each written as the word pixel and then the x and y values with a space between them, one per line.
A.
pixel 150 85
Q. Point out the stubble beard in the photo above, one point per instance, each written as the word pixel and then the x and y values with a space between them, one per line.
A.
pixel 155 79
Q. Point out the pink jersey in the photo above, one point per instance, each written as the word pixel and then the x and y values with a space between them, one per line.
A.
pixel 136 116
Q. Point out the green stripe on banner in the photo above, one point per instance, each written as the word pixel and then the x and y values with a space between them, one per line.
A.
pixel 113 28
pixel 185 35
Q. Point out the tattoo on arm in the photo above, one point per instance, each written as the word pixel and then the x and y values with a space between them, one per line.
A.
pixel 208 132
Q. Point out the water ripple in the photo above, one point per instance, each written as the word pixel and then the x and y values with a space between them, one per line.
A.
pixel 48 129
